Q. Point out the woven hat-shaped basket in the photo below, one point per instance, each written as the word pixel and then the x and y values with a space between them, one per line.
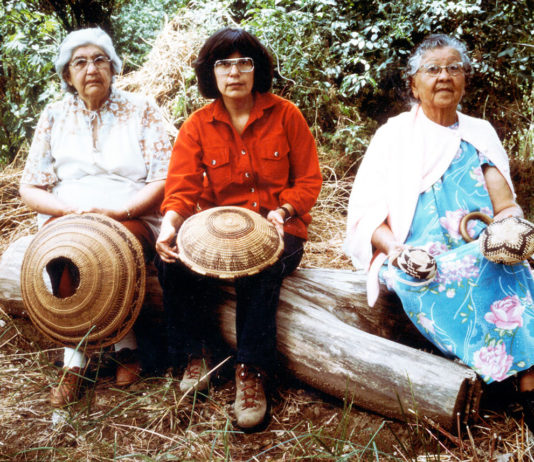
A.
pixel 228 242
pixel 111 288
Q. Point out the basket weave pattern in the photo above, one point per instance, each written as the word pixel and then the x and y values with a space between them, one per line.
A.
pixel 228 242
pixel 508 241
pixel 112 272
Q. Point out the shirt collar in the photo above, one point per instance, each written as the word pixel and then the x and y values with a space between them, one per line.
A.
pixel 262 102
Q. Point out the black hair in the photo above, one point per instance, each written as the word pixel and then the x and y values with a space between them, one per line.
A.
pixel 222 44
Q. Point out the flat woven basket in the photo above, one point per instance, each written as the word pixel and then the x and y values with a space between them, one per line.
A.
pixel 111 286
pixel 228 242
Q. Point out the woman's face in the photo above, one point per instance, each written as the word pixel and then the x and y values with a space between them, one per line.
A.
pixel 235 85
pixel 91 79
pixel 440 92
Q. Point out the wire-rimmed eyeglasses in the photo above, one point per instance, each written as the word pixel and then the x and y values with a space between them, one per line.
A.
pixel 79 64
pixel 452 69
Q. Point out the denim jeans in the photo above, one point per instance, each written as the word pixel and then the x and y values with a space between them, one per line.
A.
pixel 190 299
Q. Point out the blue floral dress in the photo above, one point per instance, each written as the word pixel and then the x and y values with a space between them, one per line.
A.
pixel 475 310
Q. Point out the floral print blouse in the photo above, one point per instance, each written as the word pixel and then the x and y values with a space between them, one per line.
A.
pixel 99 158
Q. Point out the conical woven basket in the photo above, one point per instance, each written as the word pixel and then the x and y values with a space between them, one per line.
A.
pixel 111 288
pixel 228 242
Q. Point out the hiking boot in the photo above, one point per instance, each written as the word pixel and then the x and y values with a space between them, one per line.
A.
pixel 68 389
pixel 128 367
pixel 196 375
pixel 250 401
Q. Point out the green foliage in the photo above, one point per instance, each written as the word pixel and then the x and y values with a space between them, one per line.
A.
pixel 136 25
pixel 343 59
pixel 75 14
pixel 32 31
pixel 29 44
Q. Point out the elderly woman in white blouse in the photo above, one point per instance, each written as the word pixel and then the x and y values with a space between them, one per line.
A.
pixel 98 150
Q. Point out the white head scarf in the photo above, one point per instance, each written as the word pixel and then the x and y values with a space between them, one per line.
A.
pixel 93 36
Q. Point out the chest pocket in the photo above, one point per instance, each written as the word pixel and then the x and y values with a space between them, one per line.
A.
pixel 274 158
pixel 216 161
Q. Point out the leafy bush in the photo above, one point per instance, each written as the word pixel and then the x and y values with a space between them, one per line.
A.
pixel 136 26
pixel 32 31
pixel 341 60
pixel 30 41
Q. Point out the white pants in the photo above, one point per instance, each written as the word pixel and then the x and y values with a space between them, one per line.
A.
pixel 75 358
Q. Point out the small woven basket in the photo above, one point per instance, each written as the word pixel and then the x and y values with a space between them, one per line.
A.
pixel 508 241
pixel 111 289
pixel 228 242
pixel 415 262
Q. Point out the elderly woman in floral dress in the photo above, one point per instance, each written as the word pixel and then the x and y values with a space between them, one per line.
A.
pixel 97 150
pixel 424 170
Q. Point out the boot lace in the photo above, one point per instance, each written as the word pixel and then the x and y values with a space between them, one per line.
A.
pixel 251 386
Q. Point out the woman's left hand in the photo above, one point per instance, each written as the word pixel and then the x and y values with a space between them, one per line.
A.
pixel 277 219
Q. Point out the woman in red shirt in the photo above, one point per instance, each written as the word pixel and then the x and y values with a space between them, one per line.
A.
pixel 252 149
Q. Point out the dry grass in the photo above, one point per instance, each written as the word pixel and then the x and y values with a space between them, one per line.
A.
pixel 152 421
pixel 15 218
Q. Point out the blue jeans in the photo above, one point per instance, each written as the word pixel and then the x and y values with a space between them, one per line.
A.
pixel 189 300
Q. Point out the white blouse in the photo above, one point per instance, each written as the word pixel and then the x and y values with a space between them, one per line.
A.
pixel 99 158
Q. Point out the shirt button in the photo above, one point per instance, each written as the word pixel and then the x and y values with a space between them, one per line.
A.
pixel 252 190
pixel 213 162
pixel 254 204
pixel 243 152
pixel 247 175
pixel 276 154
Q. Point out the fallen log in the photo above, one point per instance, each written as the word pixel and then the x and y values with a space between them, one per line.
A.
pixel 330 339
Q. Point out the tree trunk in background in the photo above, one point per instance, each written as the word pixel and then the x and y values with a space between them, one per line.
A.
pixel 331 339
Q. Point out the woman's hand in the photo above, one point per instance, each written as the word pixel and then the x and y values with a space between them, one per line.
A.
pixel 279 216
pixel 166 242
pixel 43 201
pixel 276 218
pixel 118 215
pixel 384 240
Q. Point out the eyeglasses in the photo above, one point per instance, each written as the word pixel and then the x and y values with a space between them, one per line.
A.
pixel 80 64
pixel 434 69
pixel 224 66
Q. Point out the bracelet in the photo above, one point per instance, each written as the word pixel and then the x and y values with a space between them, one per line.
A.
pixel 287 213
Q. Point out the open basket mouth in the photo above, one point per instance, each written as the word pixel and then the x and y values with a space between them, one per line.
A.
pixel 107 267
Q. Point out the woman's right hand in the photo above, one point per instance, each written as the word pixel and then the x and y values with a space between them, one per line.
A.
pixel 166 246
pixel 384 240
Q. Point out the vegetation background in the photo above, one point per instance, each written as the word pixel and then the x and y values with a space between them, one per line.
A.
pixel 342 63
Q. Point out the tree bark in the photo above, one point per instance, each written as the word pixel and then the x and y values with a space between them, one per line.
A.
pixel 331 339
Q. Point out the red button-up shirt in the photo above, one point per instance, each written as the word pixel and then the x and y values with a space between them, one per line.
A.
pixel 273 162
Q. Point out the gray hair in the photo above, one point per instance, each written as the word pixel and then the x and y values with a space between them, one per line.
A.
pixel 93 36
pixel 432 42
